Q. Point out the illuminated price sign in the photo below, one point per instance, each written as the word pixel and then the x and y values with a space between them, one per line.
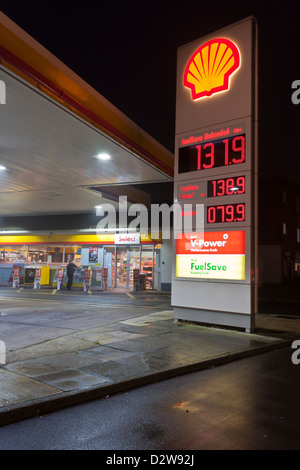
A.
pixel 226 213
pixel 214 154
pixel 226 186
pixel 214 188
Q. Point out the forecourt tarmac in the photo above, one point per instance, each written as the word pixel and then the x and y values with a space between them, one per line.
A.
pixel 65 348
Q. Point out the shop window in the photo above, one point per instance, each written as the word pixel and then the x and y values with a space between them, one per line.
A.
pixel 12 254
pixel 37 254
pixel 45 254
pixel 72 253
pixel 55 254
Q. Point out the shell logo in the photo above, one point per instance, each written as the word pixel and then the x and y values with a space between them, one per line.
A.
pixel 209 69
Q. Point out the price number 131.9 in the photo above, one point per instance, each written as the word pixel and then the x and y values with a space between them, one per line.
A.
pixel 221 153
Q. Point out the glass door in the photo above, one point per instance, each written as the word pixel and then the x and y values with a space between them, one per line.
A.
pixel 122 273
pixel 147 265
pixel 121 262
pixel 109 263
pixel 128 259
pixel 134 262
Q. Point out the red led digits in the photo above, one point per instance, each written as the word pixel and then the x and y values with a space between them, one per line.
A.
pixel 209 159
pixel 230 151
pixel 239 148
pixel 240 182
pixel 240 210
pixel 226 213
pixel 226 186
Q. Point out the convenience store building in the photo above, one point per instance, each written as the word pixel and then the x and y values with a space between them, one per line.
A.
pixel 120 254
pixel 64 151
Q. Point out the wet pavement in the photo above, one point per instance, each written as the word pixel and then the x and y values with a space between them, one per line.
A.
pixel 68 349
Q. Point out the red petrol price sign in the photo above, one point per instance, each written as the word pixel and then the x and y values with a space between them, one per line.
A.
pixel 214 154
pixel 226 213
pixel 215 188
pixel 226 186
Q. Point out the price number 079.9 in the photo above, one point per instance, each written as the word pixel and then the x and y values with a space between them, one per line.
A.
pixel 226 213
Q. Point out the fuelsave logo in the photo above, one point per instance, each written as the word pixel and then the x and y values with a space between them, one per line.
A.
pixel 211 255
pixel 208 267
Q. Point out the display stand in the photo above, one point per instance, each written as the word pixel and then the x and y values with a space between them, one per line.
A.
pixel 104 278
pixel 60 278
pixel 136 275
pixel 86 280
pixel 16 277
pixel 37 278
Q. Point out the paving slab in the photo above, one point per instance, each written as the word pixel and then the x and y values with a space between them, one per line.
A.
pixel 73 379
pixel 18 389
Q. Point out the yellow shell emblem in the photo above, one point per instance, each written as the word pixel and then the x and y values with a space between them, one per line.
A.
pixel 210 67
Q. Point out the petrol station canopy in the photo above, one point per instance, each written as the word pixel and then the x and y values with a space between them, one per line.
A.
pixel 53 125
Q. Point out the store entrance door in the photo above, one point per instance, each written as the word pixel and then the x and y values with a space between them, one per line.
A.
pixel 122 267
pixel 128 259
pixel 109 263
pixel 121 262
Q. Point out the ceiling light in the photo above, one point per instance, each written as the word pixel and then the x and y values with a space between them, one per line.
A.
pixel 2 167
pixel 103 156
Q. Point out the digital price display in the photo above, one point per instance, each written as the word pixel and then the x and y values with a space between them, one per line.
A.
pixel 214 154
pixel 226 186
pixel 213 188
pixel 226 213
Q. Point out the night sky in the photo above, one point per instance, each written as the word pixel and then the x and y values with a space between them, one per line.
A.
pixel 127 51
